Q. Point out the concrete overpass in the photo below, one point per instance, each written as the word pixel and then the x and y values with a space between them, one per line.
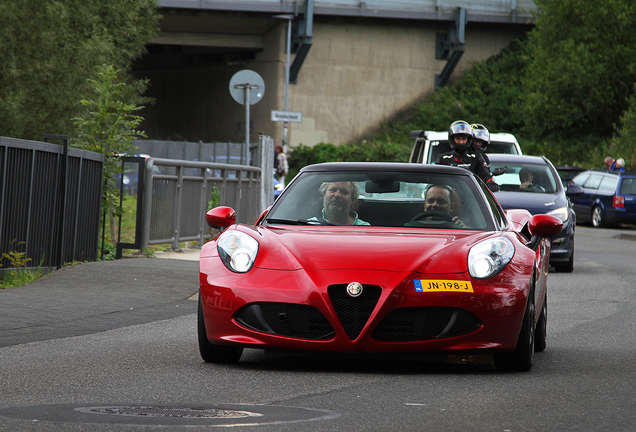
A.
pixel 354 64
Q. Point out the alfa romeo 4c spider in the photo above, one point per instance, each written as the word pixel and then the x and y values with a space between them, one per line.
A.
pixel 375 258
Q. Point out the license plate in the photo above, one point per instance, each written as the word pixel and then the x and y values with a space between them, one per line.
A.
pixel 424 285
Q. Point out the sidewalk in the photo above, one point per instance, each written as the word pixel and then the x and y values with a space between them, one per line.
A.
pixel 94 297
pixel 190 254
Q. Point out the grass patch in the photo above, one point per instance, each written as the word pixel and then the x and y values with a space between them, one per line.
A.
pixel 18 273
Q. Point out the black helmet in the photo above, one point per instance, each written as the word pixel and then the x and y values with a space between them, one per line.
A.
pixel 460 127
pixel 481 134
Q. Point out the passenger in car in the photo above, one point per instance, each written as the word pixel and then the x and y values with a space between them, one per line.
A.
pixel 338 199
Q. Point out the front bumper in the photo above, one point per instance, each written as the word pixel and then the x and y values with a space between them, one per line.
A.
pixel 309 310
pixel 562 244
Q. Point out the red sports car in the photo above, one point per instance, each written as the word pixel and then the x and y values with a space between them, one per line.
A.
pixel 378 258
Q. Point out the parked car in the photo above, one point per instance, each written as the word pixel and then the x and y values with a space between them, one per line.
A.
pixel 409 281
pixel 428 145
pixel 545 194
pixel 607 198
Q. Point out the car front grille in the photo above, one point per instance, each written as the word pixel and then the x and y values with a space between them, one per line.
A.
pixel 354 312
pixel 286 319
pixel 400 325
pixel 425 323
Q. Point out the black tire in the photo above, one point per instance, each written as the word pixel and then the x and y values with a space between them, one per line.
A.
pixel 598 219
pixel 520 360
pixel 541 333
pixel 568 267
pixel 211 353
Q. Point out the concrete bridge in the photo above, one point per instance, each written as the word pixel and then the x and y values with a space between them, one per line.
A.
pixel 352 65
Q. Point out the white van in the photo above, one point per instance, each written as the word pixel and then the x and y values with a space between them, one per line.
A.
pixel 428 145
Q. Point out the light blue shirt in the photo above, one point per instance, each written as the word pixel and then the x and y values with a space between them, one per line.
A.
pixel 356 221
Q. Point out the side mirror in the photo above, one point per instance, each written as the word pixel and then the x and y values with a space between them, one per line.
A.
pixel 222 217
pixel 499 171
pixel 541 226
pixel 574 190
pixel 544 225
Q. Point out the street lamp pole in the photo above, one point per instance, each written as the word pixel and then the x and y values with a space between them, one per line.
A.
pixel 287 60
pixel 289 19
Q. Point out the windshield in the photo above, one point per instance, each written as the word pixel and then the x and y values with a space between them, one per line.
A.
pixel 520 177
pixel 386 199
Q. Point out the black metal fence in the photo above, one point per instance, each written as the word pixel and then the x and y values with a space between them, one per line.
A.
pixel 50 200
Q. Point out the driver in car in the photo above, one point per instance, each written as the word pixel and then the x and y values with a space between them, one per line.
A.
pixel 439 198
pixel 526 177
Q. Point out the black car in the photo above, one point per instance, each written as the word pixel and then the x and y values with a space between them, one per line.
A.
pixel 608 198
pixel 567 173
pixel 544 194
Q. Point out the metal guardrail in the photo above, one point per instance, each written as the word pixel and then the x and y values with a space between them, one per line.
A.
pixel 179 198
pixel 174 195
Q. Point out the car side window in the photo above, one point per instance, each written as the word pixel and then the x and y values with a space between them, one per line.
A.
pixel 593 182
pixel 496 209
pixel 580 179
pixel 628 187
pixel 608 184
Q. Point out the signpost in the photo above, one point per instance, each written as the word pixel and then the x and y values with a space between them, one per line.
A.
pixel 247 88
pixel 287 116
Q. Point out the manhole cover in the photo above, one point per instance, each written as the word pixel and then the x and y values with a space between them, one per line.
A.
pixel 173 415
pixel 149 411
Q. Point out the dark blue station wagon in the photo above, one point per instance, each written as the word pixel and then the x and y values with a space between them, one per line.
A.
pixel 608 198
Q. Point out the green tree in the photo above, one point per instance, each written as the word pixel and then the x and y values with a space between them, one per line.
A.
pixel 109 127
pixel 583 67
pixel 490 93
pixel 47 47
pixel 623 145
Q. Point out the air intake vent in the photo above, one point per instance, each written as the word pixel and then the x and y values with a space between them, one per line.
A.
pixel 354 312
pixel 425 323
pixel 286 319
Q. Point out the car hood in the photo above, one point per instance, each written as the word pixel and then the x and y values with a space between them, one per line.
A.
pixel 535 203
pixel 322 248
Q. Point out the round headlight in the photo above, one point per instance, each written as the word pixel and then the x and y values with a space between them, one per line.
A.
pixel 237 250
pixel 489 257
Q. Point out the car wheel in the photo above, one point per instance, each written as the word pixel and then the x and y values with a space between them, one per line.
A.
pixel 598 220
pixel 567 267
pixel 520 360
pixel 541 333
pixel 214 353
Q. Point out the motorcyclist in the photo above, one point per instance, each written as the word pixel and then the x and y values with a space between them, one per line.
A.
pixel 481 139
pixel 460 140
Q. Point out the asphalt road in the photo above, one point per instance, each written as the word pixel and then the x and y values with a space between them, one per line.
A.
pixel 142 371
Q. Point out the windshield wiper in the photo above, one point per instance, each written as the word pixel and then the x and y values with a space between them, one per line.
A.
pixel 281 221
pixel 314 222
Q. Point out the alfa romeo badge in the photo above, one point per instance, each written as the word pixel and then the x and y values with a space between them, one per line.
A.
pixel 354 289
